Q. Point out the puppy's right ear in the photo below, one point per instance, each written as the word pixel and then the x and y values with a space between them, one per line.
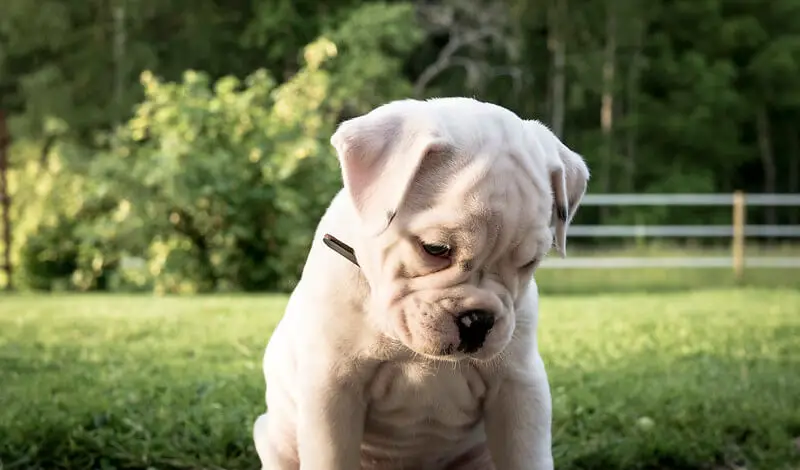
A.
pixel 569 178
pixel 379 154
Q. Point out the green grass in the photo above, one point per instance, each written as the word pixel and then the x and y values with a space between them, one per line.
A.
pixel 174 383
pixel 653 280
pixel 658 281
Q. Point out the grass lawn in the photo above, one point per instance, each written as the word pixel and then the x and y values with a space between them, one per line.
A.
pixel 703 379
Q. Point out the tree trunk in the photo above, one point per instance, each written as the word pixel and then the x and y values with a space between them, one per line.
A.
pixel 44 154
pixel 767 158
pixel 120 39
pixel 558 48
pixel 607 102
pixel 794 170
pixel 5 201
pixel 184 224
pixel 634 72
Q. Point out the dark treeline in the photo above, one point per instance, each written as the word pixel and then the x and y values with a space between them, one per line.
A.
pixel 182 145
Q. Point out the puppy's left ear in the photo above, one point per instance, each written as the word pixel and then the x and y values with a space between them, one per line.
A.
pixel 569 177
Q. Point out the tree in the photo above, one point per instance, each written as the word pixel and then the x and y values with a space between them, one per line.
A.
pixel 219 184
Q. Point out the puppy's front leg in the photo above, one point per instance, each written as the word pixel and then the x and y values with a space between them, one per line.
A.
pixel 331 412
pixel 518 420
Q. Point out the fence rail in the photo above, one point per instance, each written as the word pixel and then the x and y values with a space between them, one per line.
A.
pixel 667 262
pixel 688 199
pixel 738 232
pixel 705 231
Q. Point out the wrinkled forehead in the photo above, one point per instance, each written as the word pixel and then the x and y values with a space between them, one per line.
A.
pixel 486 201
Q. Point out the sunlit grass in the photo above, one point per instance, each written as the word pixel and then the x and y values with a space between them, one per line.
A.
pixel 553 280
pixel 661 380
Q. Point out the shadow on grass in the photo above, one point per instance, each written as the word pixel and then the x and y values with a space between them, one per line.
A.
pixel 73 413
pixel 699 412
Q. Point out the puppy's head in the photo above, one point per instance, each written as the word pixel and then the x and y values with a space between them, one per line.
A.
pixel 456 199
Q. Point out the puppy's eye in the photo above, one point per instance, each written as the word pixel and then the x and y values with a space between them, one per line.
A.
pixel 436 249
pixel 530 264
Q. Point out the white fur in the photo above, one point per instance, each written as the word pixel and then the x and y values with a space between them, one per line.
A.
pixel 361 371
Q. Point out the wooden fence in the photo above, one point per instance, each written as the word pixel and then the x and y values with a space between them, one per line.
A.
pixel 738 231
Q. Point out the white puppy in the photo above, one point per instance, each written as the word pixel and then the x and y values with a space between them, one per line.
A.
pixel 419 352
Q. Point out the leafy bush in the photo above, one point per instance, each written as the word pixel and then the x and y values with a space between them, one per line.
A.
pixel 218 185
pixel 49 257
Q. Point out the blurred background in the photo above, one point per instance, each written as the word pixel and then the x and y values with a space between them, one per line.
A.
pixel 181 148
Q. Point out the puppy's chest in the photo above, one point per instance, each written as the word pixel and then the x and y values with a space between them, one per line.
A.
pixel 428 397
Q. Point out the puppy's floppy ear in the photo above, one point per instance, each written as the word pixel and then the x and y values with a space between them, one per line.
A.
pixel 380 153
pixel 569 177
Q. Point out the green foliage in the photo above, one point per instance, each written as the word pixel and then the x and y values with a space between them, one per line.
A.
pixel 642 380
pixel 47 198
pixel 381 38
pixel 218 184
pixel 193 136
pixel 50 256
pixel 210 166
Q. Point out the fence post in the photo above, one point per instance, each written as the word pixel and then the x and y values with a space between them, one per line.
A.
pixel 738 234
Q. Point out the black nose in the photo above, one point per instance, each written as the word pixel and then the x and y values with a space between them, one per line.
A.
pixel 473 326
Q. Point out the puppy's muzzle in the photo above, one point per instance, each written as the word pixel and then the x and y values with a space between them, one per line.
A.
pixel 473 327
